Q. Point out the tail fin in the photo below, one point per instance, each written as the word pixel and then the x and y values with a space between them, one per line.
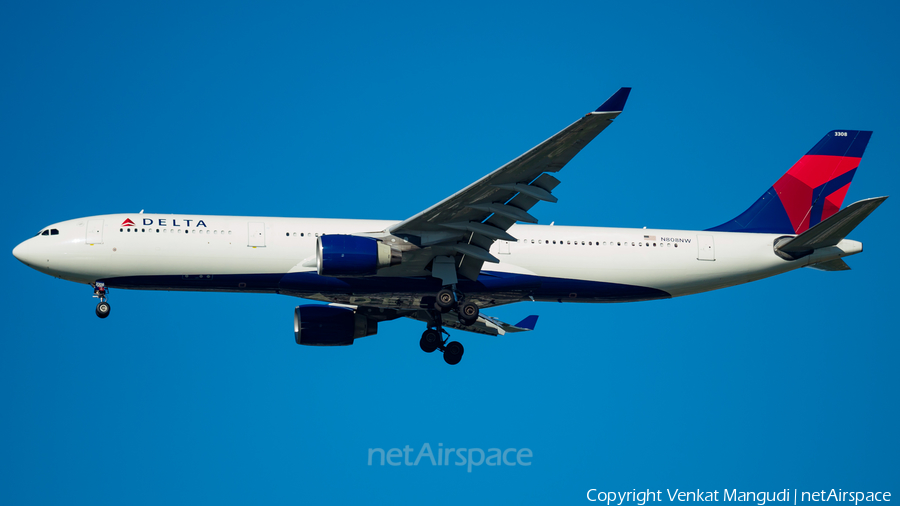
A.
pixel 811 191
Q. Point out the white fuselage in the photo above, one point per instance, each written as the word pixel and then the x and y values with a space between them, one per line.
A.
pixel 234 253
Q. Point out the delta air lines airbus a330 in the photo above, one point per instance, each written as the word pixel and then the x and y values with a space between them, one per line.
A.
pixel 467 252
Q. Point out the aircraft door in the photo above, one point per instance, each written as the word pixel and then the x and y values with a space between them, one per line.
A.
pixel 503 247
pixel 706 248
pixel 94 232
pixel 257 235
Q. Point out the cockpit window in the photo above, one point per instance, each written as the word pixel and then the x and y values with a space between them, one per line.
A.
pixel 45 232
pixel 54 231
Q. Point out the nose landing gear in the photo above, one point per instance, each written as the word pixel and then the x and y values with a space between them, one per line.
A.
pixel 103 307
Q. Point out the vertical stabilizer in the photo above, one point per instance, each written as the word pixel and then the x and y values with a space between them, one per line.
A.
pixel 811 191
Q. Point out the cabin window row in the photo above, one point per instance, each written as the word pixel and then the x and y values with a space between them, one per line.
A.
pixel 647 244
pixel 166 231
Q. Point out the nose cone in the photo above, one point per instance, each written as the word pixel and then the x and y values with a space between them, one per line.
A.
pixel 25 253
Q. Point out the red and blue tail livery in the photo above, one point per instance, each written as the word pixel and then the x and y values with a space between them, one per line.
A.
pixel 811 191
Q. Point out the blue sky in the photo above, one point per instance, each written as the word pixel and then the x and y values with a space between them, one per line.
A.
pixel 352 110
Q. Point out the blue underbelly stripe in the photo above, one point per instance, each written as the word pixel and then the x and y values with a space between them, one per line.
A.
pixel 539 287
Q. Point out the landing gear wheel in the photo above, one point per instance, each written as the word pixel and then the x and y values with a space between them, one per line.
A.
pixel 468 313
pixel 453 352
pixel 445 300
pixel 430 341
pixel 102 309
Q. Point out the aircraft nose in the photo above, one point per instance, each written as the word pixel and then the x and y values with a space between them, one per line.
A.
pixel 25 253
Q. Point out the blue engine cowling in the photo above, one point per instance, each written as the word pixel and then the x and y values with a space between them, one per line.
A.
pixel 316 325
pixel 351 255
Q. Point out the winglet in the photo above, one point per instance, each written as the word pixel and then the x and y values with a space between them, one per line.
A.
pixel 615 103
pixel 528 323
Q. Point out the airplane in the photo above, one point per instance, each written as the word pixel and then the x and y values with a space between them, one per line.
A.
pixel 478 248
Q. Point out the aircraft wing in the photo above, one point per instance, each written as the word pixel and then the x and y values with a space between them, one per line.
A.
pixel 485 324
pixel 466 224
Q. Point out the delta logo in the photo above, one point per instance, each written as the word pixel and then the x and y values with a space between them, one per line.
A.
pixel 167 222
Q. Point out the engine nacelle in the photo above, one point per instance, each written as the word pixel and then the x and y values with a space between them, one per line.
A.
pixel 351 255
pixel 316 325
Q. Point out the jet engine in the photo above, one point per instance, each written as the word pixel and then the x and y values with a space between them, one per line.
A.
pixel 316 325
pixel 351 255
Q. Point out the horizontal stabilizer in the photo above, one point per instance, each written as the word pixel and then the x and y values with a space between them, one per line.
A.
pixel 837 264
pixel 831 231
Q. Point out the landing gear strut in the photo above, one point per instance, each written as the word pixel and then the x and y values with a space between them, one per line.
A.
pixel 103 307
pixel 433 338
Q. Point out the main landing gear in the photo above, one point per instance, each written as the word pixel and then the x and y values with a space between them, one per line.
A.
pixel 433 338
pixel 103 307
pixel 446 301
